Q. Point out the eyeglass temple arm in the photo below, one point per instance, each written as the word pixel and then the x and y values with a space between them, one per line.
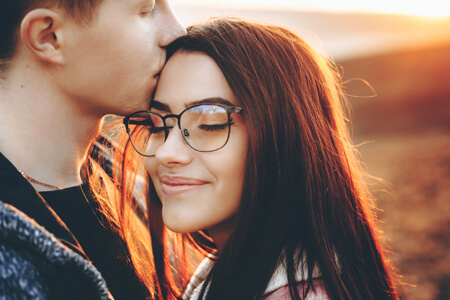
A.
pixel 139 122
pixel 128 121
pixel 234 109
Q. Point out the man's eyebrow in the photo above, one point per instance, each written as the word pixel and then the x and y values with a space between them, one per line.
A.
pixel 160 106
pixel 214 100
pixel 145 2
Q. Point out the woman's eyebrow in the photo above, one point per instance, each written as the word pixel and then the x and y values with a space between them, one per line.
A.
pixel 160 106
pixel 213 100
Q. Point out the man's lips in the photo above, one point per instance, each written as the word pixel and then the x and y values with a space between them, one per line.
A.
pixel 174 185
pixel 158 74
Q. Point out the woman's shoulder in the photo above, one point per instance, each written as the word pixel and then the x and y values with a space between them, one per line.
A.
pixel 198 278
pixel 278 287
pixel 34 264
pixel 317 292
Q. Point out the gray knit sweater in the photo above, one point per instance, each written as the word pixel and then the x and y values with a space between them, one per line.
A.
pixel 36 265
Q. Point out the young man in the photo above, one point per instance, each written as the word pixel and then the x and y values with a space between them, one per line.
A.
pixel 63 66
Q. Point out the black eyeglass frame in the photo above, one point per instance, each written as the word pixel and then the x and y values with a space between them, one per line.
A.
pixel 127 121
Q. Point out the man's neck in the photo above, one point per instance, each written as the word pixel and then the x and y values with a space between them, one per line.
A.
pixel 42 132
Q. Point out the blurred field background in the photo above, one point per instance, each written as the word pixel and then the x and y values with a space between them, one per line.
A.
pixel 401 122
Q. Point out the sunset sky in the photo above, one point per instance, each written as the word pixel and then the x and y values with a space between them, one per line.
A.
pixel 415 7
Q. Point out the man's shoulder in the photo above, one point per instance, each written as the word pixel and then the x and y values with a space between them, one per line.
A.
pixel 17 229
pixel 19 275
pixel 35 264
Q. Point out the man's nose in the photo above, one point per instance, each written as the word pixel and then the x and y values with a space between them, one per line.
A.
pixel 172 27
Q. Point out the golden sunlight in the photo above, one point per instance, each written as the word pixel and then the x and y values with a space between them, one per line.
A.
pixel 429 8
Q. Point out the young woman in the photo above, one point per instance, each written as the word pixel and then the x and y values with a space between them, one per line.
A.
pixel 250 158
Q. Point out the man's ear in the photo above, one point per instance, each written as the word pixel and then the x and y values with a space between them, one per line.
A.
pixel 41 33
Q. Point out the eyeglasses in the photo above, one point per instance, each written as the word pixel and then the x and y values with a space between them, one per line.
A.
pixel 204 127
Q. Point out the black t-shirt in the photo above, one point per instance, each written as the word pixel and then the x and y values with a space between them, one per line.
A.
pixel 104 247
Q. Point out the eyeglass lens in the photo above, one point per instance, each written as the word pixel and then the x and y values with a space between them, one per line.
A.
pixel 204 128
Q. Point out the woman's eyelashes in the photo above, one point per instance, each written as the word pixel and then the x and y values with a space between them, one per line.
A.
pixel 215 127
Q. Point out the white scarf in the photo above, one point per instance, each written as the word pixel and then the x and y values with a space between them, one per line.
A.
pixel 279 278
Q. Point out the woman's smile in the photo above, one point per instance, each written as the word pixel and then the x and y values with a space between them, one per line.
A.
pixel 172 185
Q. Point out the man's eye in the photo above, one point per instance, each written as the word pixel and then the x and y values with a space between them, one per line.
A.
pixel 146 12
pixel 148 9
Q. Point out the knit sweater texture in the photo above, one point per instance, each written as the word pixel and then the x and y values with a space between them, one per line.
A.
pixel 35 265
pixel 39 256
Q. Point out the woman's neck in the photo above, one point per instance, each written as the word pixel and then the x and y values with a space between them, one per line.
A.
pixel 220 233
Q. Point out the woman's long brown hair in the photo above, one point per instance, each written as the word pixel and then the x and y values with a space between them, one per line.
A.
pixel 119 199
pixel 305 195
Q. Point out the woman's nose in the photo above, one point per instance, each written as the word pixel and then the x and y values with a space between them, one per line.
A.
pixel 174 151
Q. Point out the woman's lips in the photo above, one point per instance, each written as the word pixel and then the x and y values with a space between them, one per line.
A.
pixel 174 185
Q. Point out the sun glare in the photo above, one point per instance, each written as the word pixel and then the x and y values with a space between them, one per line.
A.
pixel 429 8
pixel 425 11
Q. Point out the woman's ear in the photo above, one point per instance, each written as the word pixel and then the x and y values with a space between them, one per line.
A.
pixel 41 32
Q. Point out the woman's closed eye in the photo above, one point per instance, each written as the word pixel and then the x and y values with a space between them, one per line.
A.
pixel 213 127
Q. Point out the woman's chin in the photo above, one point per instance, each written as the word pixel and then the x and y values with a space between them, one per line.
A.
pixel 176 224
